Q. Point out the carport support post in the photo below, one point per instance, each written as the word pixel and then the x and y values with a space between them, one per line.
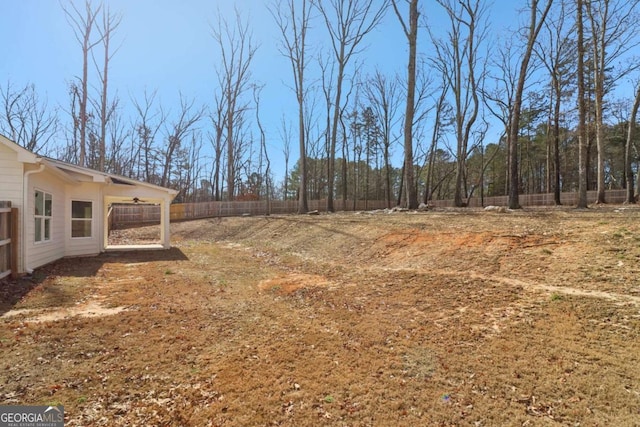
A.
pixel 105 223
pixel 165 223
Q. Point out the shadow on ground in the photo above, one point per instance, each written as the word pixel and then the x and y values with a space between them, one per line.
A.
pixel 13 291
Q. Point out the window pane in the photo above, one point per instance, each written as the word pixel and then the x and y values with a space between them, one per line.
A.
pixel 47 229
pixel 38 229
pixel 80 228
pixel 81 209
pixel 47 204
pixel 39 201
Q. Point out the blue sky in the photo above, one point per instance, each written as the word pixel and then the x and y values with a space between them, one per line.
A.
pixel 166 45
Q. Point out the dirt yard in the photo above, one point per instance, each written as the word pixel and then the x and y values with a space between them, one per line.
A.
pixel 441 318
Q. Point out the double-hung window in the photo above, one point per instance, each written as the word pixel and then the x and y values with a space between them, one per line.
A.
pixel 43 214
pixel 81 218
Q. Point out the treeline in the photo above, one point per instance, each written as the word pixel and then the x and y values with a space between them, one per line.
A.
pixel 486 171
pixel 475 110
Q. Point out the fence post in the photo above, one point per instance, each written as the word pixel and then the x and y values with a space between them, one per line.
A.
pixel 14 243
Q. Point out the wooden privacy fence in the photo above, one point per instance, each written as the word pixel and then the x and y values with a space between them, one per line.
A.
pixel 145 214
pixel 131 214
pixel 8 240
pixel 545 199
pixel 214 209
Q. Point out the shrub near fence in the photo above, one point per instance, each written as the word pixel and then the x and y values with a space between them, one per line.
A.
pixel 129 214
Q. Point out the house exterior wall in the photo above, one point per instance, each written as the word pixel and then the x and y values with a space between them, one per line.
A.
pixel 40 253
pixel 23 173
pixel 78 246
pixel 11 179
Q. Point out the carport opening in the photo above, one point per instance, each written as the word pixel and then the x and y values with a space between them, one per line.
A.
pixel 134 225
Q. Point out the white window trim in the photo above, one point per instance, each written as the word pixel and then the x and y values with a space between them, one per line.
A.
pixel 90 220
pixel 43 240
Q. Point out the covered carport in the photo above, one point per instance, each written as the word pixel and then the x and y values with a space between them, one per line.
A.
pixel 122 191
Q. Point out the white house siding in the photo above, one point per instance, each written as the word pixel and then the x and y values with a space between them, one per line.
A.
pixel 41 253
pixel 11 188
pixel 86 245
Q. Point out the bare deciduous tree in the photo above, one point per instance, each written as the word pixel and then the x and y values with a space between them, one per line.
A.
pixel 411 32
pixel 439 123
pixel 110 23
pixel 293 23
pixel 25 119
pixel 382 94
pixel 557 53
pixel 82 24
pixel 264 153
pixel 582 114
pixel 458 59
pixel 218 120
pixel 536 20
pixel 119 160
pixel 499 99
pixel 176 134
pixel 631 132
pixel 146 127
pixel 234 74
pixel 327 73
pixel 612 25
pixel 348 22
pixel 285 137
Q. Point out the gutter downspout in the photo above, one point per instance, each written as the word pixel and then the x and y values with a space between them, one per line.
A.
pixel 25 198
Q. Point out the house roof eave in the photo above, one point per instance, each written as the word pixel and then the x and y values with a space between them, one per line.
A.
pixel 120 180
pixel 24 155
pixel 58 172
pixel 110 179
pixel 66 171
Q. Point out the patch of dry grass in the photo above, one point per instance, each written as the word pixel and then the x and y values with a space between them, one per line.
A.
pixel 441 318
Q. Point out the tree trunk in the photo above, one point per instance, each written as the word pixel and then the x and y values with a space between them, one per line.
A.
pixel 294 32
pixel 412 36
pixel 556 142
pixel 82 25
pixel 353 20
pixel 303 206
pixel 582 139
pixel 109 24
pixel 344 166
pixel 298 64
pixel 599 112
pixel 234 75
pixel 331 161
pixel 600 183
pixel 387 175
pixel 630 197
pixel 84 98
pixel 231 177
pixel 534 29
pixel 103 104
pixel 401 189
